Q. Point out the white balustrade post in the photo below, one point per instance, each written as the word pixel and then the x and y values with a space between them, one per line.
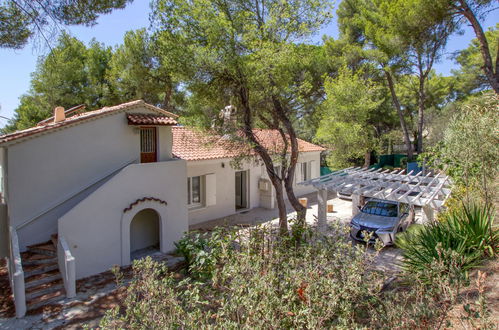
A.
pixel 19 294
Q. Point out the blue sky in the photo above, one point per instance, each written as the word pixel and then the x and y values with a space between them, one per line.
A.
pixel 17 65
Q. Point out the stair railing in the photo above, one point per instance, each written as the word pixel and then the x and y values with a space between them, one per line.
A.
pixel 16 274
pixel 66 266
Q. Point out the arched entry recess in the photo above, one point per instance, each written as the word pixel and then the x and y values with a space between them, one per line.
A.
pixel 147 205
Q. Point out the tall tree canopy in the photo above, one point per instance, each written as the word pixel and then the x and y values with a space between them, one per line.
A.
pixel 138 70
pixel 71 74
pixel 366 33
pixel 245 54
pixel 470 77
pixel 21 20
pixel 461 12
pixel 354 117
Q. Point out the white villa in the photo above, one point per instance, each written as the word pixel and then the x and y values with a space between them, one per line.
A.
pixel 83 191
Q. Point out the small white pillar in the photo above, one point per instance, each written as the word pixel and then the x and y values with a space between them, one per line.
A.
pixel 428 214
pixel 322 209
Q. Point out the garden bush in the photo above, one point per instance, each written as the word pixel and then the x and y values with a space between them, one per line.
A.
pixel 258 279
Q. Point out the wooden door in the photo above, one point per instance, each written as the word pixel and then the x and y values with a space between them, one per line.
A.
pixel 148 145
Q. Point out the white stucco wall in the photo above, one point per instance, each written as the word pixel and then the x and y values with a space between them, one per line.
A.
pixel 44 171
pixel 308 157
pixel 225 185
pixel 94 227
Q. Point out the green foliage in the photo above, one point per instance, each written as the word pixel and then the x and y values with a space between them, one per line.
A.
pixel 202 250
pixel 240 47
pixel 95 75
pixel 470 78
pixel 461 239
pixel 260 281
pixel 23 19
pixel 71 74
pixel 138 71
pixel 353 117
pixel 469 152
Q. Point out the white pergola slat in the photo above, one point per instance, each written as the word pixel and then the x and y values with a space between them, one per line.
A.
pixel 411 188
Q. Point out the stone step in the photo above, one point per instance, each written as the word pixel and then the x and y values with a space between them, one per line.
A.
pixel 39 269
pixel 54 238
pixel 45 299
pixel 43 289
pixel 29 259
pixel 45 248
pixel 42 278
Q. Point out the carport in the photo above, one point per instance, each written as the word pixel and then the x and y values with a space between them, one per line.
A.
pixel 429 191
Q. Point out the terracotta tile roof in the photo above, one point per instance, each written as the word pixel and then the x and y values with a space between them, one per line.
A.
pixel 149 119
pixel 192 144
pixel 271 140
pixel 77 118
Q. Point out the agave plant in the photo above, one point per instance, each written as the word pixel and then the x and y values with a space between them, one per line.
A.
pixel 475 224
pixel 468 232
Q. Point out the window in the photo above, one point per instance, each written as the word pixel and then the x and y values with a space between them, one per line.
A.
pixel 304 171
pixel 380 208
pixel 194 197
pixel 148 147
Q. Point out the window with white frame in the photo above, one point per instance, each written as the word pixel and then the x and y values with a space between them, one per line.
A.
pixel 194 191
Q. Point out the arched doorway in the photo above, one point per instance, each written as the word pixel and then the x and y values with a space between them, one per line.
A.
pixel 144 233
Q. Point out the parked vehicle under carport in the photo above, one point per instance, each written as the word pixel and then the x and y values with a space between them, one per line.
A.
pixel 382 219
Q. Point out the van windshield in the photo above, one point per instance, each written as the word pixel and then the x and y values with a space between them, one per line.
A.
pixel 380 208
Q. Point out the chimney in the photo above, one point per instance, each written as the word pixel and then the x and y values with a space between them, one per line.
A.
pixel 59 114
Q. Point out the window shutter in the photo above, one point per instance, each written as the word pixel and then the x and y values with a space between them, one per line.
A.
pixel 211 189
pixel 313 169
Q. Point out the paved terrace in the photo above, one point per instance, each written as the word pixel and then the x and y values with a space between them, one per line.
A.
pixel 342 213
pixel 388 259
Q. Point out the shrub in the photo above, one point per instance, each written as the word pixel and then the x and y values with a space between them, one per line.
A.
pixel 260 280
pixel 201 250
pixel 461 239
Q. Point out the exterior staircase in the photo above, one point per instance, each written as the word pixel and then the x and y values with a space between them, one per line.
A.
pixel 42 279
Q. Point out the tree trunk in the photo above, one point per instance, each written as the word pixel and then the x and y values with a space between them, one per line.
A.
pixel 421 108
pixel 267 160
pixel 281 206
pixel 367 159
pixel 488 67
pixel 396 104
pixel 301 211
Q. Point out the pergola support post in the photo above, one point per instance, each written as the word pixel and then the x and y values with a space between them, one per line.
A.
pixel 428 214
pixel 355 204
pixel 322 209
